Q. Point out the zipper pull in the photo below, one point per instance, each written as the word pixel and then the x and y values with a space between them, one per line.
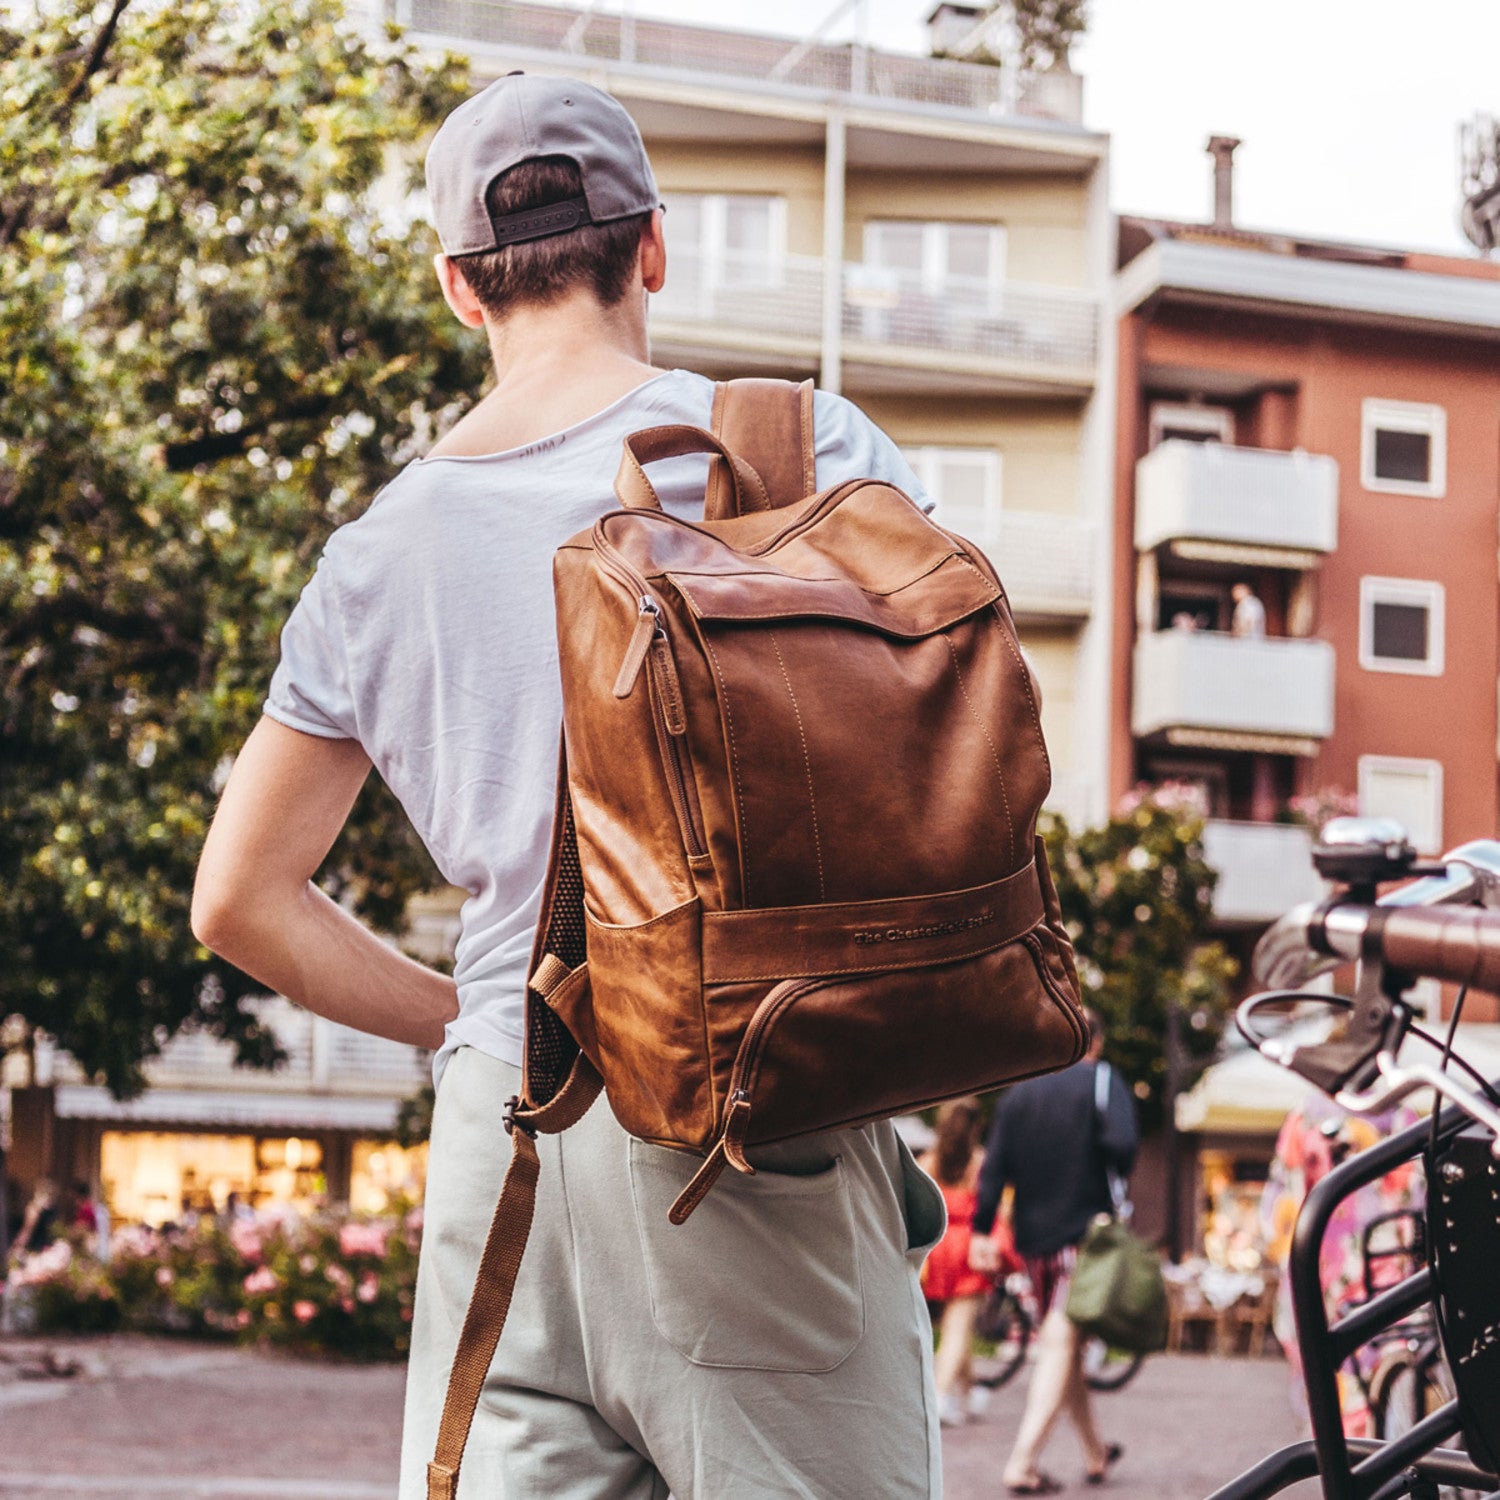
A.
pixel 734 1133
pixel 668 684
pixel 647 624
pixel 728 1151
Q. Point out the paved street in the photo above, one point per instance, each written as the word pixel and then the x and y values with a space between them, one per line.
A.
pixel 148 1419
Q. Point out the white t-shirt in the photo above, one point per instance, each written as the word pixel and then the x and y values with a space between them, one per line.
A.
pixel 428 635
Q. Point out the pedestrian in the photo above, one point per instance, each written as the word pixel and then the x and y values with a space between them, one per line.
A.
pixel 727 1358
pixel 1057 1142
pixel 948 1281
pixel 39 1222
pixel 1249 620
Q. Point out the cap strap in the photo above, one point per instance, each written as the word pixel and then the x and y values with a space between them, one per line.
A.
pixel 538 223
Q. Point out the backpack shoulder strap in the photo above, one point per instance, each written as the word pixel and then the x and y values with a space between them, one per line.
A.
pixel 768 423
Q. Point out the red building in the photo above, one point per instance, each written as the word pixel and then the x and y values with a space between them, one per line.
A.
pixel 1315 426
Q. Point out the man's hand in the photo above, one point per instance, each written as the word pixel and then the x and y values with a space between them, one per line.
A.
pixel 254 902
pixel 984 1254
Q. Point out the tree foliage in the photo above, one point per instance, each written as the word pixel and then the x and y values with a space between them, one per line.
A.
pixel 1032 35
pixel 219 335
pixel 1137 899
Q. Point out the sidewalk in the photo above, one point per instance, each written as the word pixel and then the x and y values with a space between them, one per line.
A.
pixel 155 1419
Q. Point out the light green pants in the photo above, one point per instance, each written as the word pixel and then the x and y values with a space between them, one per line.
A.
pixel 776 1344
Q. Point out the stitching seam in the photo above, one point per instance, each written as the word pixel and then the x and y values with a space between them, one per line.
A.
pixel 984 729
pixel 812 800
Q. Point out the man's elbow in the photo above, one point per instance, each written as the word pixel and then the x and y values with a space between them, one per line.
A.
pixel 221 912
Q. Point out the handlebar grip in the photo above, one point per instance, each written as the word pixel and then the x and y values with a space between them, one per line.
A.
pixel 1460 945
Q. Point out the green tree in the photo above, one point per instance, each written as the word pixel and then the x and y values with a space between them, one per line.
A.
pixel 1137 898
pixel 219 336
pixel 1034 35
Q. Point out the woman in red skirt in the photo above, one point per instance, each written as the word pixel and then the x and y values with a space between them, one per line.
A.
pixel 947 1282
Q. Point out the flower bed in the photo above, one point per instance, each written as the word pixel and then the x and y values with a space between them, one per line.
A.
pixel 320 1284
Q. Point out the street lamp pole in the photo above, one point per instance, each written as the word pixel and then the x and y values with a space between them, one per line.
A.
pixel 1174 1141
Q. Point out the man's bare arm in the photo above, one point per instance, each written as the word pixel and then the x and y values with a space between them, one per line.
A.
pixel 254 902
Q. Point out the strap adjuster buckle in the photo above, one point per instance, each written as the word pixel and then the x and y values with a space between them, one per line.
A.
pixel 510 1122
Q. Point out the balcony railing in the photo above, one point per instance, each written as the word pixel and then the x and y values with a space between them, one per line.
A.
pixel 581 38
pixel 1251 497
pixel 1206 681
pixel 1264 869
pixel 1046 563
pixel 888 316
pixel 755 298
pixel 1001 321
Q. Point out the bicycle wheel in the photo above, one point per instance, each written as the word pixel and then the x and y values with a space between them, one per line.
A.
pixel 1106 1369
pixel 1002 1332
pixel 1407 1386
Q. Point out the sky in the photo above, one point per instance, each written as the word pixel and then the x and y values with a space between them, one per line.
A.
pixel 1348 109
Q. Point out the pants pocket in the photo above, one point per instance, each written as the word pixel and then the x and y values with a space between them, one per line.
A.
pixel 764 1276
pixel 922 1203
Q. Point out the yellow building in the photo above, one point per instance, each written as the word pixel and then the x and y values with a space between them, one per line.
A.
pixel 930 237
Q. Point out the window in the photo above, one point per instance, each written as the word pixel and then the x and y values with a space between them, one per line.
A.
pixel 1410 791
pixel 726 239
pixel 1404 448
pixel 1191 424
pixel 1401 626
pixel 962 263
pixel 964 484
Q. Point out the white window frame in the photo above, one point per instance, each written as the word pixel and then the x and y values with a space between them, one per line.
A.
pixel 934 273
pixel 714 218
pixel 1217 421
pixel 1373 765
pixel 926 462
pixel 1404 416
pixel 1424 592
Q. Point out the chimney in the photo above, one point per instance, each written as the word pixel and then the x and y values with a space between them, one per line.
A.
pixel 1222 149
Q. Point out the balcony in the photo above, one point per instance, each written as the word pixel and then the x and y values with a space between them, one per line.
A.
pixel 583 39
pixel 1046 563
pixel 746 314
pixel 1265 869
pixel 1206 688
pixel 1245 504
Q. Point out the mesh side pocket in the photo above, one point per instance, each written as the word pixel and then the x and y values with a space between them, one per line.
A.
pixel 550 1046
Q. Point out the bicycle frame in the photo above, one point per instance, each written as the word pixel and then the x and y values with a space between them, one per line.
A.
pixel 1351 1468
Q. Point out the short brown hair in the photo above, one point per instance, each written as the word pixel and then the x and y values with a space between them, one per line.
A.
pixel 601 256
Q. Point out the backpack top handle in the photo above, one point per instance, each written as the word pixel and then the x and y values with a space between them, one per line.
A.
pixel 636 492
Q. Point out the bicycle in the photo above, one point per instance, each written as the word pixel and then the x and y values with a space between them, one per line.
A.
pixel 1442 924
pixel 1006 1323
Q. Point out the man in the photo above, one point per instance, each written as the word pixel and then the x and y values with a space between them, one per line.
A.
pixel 1249 619
pixel 1056 1141
pixel 725 1358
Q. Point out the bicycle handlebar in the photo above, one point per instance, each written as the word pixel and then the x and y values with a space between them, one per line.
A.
pixel 1460 945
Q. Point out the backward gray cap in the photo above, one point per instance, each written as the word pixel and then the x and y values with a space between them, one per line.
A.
pixel 519 118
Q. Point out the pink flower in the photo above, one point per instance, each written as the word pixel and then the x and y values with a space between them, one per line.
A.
pixel 363 1239
pixel 164 1276
pixel 369 1287
pixel 260 1281
pixel 304 1311
pixel 346 1304
pixel 246 1240
pixel 339 1277
pixel 309 1264
pixel 242 1318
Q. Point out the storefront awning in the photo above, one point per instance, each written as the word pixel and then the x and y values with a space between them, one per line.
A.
pixel 221 1109
pixel 1244 1094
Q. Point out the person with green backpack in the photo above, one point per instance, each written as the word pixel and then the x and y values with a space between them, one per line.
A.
pixel 1058 1142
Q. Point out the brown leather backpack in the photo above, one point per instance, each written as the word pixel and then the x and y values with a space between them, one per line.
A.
pixel 795 878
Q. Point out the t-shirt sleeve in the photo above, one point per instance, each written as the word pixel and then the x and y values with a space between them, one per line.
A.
pixel 310 689
pixel 850 446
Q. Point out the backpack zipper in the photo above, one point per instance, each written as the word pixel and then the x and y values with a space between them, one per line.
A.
pixel 671 728
pixel 729 1149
